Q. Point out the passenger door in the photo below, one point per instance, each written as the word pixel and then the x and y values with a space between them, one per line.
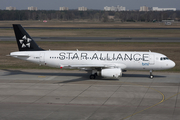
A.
pixel 42 58
pixel 151 59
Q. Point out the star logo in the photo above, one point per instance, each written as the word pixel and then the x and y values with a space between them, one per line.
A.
pixel 25 42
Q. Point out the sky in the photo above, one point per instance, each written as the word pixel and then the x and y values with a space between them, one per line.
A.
pixel 90 4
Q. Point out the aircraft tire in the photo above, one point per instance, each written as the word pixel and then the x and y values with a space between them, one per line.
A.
pixel 92 76
pixel 151 76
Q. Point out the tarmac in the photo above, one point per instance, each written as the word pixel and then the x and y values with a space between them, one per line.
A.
pixel 71 95
pixel 98 39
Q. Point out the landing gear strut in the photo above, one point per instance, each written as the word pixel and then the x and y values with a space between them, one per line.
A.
pixel 151 75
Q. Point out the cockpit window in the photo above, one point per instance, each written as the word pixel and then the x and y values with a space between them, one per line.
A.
pixel 164 58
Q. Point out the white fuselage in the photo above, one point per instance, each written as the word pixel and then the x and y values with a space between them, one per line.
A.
pixel 101 59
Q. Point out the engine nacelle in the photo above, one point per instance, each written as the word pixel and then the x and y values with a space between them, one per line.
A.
pixel 111 72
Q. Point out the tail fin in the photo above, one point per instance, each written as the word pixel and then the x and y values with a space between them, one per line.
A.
pixel 24 40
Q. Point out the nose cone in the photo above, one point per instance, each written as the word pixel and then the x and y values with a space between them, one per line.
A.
pixel 171 64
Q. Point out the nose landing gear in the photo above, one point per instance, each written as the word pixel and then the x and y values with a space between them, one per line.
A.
pixel 151 75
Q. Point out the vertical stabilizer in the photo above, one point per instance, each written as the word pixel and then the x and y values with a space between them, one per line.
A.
pixel 24 40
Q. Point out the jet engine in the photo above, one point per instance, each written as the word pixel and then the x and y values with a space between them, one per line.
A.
pixel 111 72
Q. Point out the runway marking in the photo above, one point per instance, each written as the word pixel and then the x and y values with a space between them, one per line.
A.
pixel 41 76
pixel 171 97
pixel 50 78
pixel 163 100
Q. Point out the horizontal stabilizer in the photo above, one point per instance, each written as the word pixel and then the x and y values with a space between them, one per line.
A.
pixel 19 55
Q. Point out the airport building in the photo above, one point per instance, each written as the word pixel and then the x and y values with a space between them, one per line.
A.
pixel 121 8
pixel 113 8
pixel 10 8
pixel 32 8
pixel 144 8
pixel 82 8
pixel 163 9
pixel 107 8
pixel 63 8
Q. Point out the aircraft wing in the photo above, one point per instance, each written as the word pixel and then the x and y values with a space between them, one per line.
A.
pixel 122 66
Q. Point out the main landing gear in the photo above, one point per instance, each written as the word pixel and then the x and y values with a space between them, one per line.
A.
pixel 93 75
pixel 151 75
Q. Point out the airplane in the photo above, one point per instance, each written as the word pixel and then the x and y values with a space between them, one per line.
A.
pixel 108 64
